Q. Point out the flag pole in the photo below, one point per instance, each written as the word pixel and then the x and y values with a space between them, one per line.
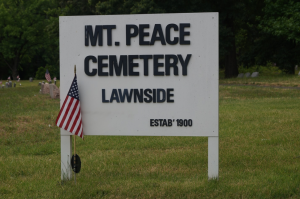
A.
pixel 75 140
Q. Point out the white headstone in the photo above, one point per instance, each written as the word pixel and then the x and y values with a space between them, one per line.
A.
pixel 240 75
pixel 247 74
pixel 255 74
pixel 54 91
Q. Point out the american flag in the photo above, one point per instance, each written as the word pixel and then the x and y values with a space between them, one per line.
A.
pixel 0 82
pixel 18 77
pixel 47 75
pixel 8 77
pixel 69 117
pixel 54 79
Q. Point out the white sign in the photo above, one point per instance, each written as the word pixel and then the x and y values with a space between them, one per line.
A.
pixel 145 75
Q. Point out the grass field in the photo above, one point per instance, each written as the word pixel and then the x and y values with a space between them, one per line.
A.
pixel 279 80
pixel 259 150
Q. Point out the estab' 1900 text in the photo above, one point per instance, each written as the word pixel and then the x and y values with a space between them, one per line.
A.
pixel 169 122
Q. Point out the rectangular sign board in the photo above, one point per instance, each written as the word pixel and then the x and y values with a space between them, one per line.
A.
pixel 143 75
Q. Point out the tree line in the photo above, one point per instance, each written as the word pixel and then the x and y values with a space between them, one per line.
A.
pixel 251 32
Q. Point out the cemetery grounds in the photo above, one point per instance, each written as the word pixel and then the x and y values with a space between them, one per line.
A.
pixel 259 149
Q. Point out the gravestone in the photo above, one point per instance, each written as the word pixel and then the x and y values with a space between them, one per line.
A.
pixel 255 74
pixel 10 84
pixel 15 84
pixel 54 91
pixel 247 74
pixel 45 89
pixel 240 75
pixel 296 69
pixel 6 84
pixel 55 82
pixel 30 79
pixel 43 82
pixel 299 73
pixel 40 83
pixel 2 86
pixel 42 88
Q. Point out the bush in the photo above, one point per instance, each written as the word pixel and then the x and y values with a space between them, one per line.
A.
pixel 40 73
pixel 268 70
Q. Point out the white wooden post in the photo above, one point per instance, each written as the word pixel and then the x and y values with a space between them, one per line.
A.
pixel 213 158
pixel 66 154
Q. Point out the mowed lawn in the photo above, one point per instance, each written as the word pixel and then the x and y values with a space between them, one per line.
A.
pixel 259 150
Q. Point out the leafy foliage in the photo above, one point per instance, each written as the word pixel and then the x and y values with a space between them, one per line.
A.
pixel 282 18
pixel 40 73
pixel 22 25
pixel 251 32
pixel 269 70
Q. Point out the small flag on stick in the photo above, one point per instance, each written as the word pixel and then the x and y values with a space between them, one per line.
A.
pixel 8 78
pixel 47 75
pixel 69 117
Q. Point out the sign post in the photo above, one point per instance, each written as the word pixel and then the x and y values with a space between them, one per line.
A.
pixel 144 75
pixel 213 157
pixel 66 154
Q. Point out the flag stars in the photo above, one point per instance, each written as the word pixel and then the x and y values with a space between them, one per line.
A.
pixel 73 92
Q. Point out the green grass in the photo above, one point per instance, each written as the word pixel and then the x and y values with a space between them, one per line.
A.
pixel 259 151
pixel 279 80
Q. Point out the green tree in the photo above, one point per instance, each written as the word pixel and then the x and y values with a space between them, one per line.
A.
pixel 282 18
pixel 22 25
pixel 281 21
pixel 250 31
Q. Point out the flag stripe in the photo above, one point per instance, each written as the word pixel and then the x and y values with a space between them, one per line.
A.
pixel 47 75
pixel 75 121
pixel 75 125
pixel 66 111
pixel 73 116
pixel 78 129
pixel 81 130
pixel 61 109
pixel 70 110
pixel 63 113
